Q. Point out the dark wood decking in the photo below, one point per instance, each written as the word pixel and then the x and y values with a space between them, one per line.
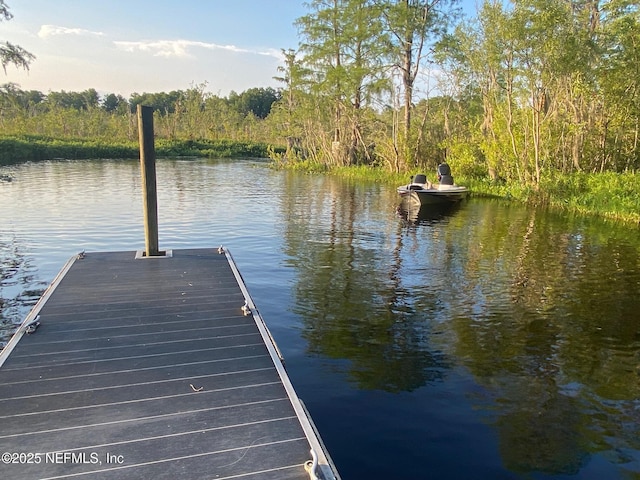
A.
pixel 148 368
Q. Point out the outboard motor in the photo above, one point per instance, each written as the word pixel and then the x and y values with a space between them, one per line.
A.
pixel 444 174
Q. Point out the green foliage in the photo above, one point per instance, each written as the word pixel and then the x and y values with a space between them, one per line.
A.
pixel 113 103
pixel 557 82
pixel 342 75
pixel 466 159
pixel 609 195
pixel 9 53
pixel 370 174
pixel 34 148
pixel 162 102
pixel 211 149
pixel 279 161
pixel 74 100
pixel 612 195
pixel 257 101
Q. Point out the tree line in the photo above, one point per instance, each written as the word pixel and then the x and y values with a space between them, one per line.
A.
pixel 181 114
pixel 556 84
pixel 523 91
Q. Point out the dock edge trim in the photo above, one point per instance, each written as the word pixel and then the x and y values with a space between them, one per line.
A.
pixel 33 313
pixel 325 464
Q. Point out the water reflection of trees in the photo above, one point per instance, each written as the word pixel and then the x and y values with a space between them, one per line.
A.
pixel 349 296
pixel 551 333
pixel 540 309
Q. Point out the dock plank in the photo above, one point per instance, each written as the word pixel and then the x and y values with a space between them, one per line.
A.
pixel 147 368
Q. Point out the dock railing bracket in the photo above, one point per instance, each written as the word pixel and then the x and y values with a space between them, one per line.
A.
pixel 161 254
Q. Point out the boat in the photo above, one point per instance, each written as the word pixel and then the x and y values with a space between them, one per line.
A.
pixel 422 192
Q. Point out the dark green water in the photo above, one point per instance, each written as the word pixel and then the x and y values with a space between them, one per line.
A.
pixel 489 342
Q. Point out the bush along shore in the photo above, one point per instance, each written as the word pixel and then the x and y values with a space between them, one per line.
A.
pixel 17 149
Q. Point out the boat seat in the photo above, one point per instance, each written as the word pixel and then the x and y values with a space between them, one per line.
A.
pixel 420 178
pixel 444 174
pixel 446 180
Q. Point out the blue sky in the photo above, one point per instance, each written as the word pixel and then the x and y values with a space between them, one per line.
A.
pixel 127 46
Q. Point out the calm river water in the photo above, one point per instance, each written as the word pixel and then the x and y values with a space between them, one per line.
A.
pixel 492 342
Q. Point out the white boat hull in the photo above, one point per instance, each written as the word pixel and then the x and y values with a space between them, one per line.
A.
pixel 440 194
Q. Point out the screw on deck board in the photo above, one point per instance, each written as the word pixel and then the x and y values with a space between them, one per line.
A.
pixel 148 171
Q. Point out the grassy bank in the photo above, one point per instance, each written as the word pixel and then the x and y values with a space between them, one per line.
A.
pixel 608 195
pixel 15 149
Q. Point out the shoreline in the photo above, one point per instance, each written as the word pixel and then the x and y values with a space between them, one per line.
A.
pixel 608 195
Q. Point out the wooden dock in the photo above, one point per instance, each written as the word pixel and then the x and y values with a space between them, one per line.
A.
pixel 150 368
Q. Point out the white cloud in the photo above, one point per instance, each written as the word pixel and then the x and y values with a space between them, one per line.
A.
pixel 182 48
pixel 75 59
pixel 51 30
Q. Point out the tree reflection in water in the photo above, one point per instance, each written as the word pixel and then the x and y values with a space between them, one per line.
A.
pixel 535 306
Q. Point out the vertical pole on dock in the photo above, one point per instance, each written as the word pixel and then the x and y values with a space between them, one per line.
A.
pixel 148 171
